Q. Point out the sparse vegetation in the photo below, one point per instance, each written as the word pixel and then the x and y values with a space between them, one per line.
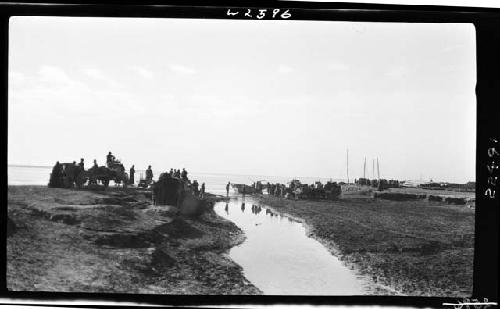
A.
pixel 415 247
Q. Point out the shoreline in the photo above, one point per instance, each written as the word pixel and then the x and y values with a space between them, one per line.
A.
pixel 115 241
pixel 386 260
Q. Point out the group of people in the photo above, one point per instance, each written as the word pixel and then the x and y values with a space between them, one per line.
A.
pixel 278 190
pixel 198 192
pixel 183 176
pixel 111 161
pixel 179 174
pixel 64 174
pixel 175 173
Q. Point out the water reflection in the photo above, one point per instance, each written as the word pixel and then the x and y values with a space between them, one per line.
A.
pixel 280 259
pixel 256 209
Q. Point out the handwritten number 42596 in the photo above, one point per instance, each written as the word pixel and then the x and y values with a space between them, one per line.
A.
pixel 261 13
pixel 492 169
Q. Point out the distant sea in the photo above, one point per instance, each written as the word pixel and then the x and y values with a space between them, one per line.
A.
pixel 214 182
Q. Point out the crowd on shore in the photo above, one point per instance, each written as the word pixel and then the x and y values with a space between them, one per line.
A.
pixel 295 189
pixel 65 175
pixel 182 175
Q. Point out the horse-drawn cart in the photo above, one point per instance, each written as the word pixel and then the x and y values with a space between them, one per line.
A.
pixel 114 171
pixel 69 175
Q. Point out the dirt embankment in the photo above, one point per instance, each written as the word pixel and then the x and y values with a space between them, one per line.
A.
pixel 416 248
pixel 116 241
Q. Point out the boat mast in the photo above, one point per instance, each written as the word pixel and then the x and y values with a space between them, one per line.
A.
pixel 378 171
pixel 347 165
pixel 364 169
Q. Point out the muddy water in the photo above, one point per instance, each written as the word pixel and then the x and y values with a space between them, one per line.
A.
pixel 280 259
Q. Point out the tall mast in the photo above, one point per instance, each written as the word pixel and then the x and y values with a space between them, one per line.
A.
pixel 347 165
pixel 378 171
pixel 364 169
pixel 373 168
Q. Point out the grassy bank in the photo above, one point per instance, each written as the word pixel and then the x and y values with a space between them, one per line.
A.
pixel 116 241
pixel 414 247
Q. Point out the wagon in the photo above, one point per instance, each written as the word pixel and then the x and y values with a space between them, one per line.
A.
pixel 115 172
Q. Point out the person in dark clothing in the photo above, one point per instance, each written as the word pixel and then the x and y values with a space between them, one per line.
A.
pixel 110 158
pixel 227 188
pixel 202 191
pixel 95 164
pixel 177 173
pixel 81 165
pixel 184 175
pixel 56 176
pixel 149 174
pixel 195 187
pixel 171 172
pixel 131 175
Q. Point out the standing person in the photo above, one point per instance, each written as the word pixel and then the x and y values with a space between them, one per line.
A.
pixel 110 158
pixel 81 165
pixel 195 187
pixel 202 191
pixel 132 172
pixel 227 188
pixel 184 174
pixel 95 163
pixel 149 174
pixel 172 172
pixel 56 176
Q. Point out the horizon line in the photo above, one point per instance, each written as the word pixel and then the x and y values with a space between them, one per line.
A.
pixel 286 176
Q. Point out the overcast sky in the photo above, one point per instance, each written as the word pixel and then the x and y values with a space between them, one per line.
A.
pixel 284 98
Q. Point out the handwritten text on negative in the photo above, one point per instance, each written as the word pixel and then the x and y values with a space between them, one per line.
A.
pixel 260 13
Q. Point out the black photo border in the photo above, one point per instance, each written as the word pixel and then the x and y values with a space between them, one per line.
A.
pixel 487 24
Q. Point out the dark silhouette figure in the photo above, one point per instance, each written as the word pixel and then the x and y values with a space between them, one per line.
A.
pixel 195 187
pixel 131 175
pixel 56 176
pixel 227 189
pixel 110 159
pixel 81 165
pixel 202 191
pixel 149 174
pixel 184 175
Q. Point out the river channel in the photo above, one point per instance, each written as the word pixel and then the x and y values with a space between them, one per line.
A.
pixel 279 258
